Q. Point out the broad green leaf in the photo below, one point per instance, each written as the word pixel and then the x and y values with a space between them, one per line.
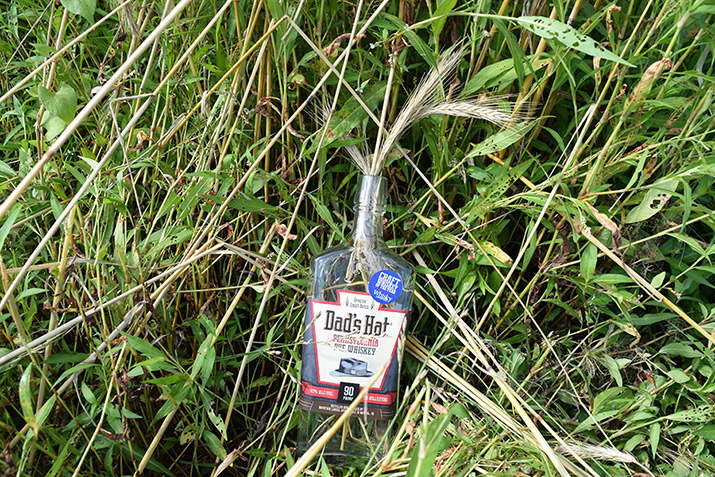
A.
pixel 444 7
pixel 6 170
pixel 517 54
pixel 692 243
pixel 705 413
pixel 324 470
pixel 200 356
pixel 66 357
pixel 431 443
pixel 53 124
pixel 593 419
pixel 588 262
pixel 25 392
pixel 551 29
pixel 87 393
pixel 680 349
pixel 654 437
pixel 500 75
pixel 707 431
pixel 214 444
pixel 496 252
pixel 59 461
pixel 216 421
pixel 176 396
pixel 143 347
pixel 653 201
pixel 275 8
pixel 9 222
pixel 325 214
pixel 45 411
pixel 208 365
pixel 678 376
pixel 62 104
pixel 29 292
pixel 613 368
pixel 501 140
pixel 76 369
pixel 606 398
pixel 658 280
pixel 421 47
pixel 151 365
pixel 349 117
pixel 81 7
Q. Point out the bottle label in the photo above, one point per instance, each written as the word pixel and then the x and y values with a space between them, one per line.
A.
pixel 347 343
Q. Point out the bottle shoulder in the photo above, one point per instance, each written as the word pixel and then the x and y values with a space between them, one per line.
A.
pixel 381 256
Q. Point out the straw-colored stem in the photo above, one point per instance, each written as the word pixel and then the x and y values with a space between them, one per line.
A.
pixel 386 101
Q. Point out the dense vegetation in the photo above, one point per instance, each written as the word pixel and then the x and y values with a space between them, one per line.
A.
pixel 158 217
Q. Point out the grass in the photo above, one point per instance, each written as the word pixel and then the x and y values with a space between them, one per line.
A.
pixel 166 176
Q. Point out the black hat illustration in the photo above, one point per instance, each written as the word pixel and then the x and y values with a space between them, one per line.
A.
pixel 352 367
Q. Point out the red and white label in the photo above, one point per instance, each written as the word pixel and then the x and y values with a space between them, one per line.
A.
pixel 354 339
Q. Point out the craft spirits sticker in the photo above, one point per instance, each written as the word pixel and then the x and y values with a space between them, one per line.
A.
pixel 385 286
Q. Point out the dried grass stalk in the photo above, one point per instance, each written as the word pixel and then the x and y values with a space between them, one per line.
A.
pixel 590 451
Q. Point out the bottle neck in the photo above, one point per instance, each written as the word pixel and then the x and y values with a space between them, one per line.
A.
pixel 370 198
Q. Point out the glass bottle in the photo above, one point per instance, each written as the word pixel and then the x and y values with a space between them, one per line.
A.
pixel 355 323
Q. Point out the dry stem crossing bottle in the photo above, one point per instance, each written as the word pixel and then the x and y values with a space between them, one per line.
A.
pixel 355 323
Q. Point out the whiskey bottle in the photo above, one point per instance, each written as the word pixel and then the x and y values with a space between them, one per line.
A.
pixel 355 323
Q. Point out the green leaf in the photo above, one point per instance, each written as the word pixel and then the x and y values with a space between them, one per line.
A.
pixel 176 396
pixel 205 357
pixel 214 444
pixel 62 104
pixel 680 349
pixel 275 8
pixel 613 368
pixel 654 437
pixel 705 413
pixel 604 400
pixel 421 47
pixel 517 54
pixel 500 74
pixel 53 124
pixel 444 8
pixel 432 442
pixel 551 29
pixel 143 347
pixel 501 140
pixel 351 115
pixel 81 7
pixel 588 262
pixel 658 280
pixel 678 376
pixel 707 431
pixel 653 201
pixel 9 222
pixel 6 170
pixel 29 292
pixel 216 421
pixel 26 399
pixel 45 411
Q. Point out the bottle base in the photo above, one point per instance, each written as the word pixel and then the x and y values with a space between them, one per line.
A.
pixel 360 441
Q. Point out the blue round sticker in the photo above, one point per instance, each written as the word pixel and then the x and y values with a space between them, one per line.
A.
pixel 385 286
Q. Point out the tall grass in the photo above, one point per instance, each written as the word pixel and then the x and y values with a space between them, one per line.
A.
pixel 167 174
